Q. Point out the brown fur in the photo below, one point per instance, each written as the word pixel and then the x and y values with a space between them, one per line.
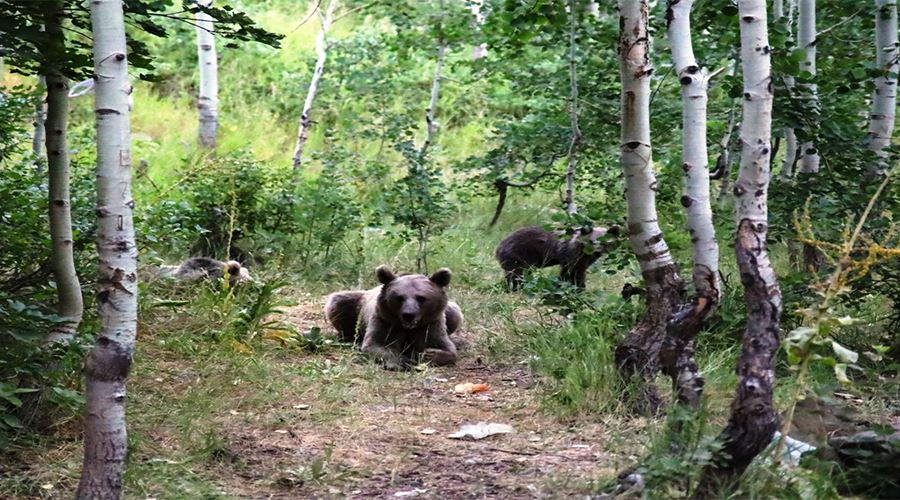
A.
pixel 201 268
pixel 536 247
pixel 407 317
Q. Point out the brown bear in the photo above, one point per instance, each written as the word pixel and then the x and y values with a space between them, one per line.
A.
pixel 405 318
pixel 200 268
pixel 536 247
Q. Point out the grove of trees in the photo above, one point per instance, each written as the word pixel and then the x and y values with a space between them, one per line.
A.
pixel 335 136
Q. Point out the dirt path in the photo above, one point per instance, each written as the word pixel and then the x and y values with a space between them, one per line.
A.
pixel 369 433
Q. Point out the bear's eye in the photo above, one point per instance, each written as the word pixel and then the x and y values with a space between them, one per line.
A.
pixel 420 299
pixel 397 298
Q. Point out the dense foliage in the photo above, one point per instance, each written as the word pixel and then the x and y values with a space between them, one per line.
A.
pixel 372 195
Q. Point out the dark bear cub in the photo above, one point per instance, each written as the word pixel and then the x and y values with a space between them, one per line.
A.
pixel 407 318
pixel 536 247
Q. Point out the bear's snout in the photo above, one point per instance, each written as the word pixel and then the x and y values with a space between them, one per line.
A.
pixel 409 313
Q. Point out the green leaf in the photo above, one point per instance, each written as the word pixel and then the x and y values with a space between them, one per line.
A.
pixel 11 421
pixel 844 354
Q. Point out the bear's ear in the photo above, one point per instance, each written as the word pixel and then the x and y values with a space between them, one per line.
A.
pixel 385 275
pixel 585 230
pixel 441 277
pixel 614 230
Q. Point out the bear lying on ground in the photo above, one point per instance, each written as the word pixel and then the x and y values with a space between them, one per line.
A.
pixel 200 268
pixel 536 247
pixel 405 318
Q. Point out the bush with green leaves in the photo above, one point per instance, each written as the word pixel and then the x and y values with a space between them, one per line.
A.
pixel 38 382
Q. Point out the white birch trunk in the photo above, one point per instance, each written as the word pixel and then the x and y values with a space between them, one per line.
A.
pixel 321 53
pixel 638 354
pixel 430 125
pixel 694 81
pixel 753 419
pixel 571 207
pixel 479 51
pixel 107 365
pixel 790 137
pixel 38 140
pixel 806 37
pixel 884 100
pixel 636 159
pixel 68 288
pixel 208 101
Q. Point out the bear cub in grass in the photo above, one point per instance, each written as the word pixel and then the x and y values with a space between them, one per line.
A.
pixel 536 247
pixel 406 318
pixel 200 268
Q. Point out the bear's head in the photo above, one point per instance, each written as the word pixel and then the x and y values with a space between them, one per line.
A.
pixel 412 300
pixel 597 240
pixel 236 272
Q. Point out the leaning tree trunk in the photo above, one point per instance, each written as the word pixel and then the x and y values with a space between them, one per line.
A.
pixel 208 102
pixel 637 356
pixel 806 37
pixel 753 419
pixel 68 289
pixel 884 100
pixel 677 354
pixel 107 365
pixel 571 207
pixel 305 121
pixel 790 137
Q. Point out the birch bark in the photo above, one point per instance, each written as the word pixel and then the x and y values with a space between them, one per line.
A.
pixel 806 37
pixel 884 100
pixel 107 365
pixel 68 288
pixel 321 54
pixel 677 358
pixel 571 207
pixel 430 125
pixel 38 145
pixel 479 51
pixel 208 102
pixel 638 354
pixel 753 419
pixel 790 137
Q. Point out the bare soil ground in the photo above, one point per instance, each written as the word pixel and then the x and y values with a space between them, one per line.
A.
pixel 392 441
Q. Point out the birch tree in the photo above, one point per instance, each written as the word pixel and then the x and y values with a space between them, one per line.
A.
pixel 638 354
pixel 884 100
pixel 321 53
pixel 38 139
pixel 753 419
pixel 68 288
pixel 430 125
pixel 208 101
pixel 107 365
pixel 806 38
pixel 677 357
pixel 480 50
pixel 572 155
pixel 790 137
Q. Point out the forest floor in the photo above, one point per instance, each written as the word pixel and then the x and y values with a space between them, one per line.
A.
pixel 207 420
pixel 387 436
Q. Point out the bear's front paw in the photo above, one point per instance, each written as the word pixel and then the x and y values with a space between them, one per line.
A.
pixel 438 357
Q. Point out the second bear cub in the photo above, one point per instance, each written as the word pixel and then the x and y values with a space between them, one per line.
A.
pixel 406 318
